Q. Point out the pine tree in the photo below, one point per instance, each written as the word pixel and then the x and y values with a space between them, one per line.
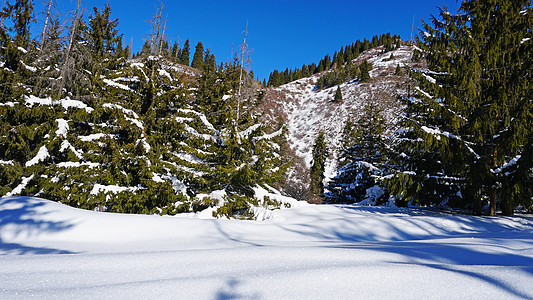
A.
pixel 184 58
pixel 198 57
pixel 316 187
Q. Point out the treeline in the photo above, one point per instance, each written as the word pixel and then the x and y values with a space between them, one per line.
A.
pixel 345 54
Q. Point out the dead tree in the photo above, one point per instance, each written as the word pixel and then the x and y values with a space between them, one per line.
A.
pixel 47 19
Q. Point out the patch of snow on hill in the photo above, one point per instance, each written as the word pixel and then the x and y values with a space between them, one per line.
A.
pixel 308 110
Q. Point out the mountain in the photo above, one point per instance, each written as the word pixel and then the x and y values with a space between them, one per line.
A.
pixel 305 110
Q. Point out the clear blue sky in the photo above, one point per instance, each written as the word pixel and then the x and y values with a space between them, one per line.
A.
pixel 282 33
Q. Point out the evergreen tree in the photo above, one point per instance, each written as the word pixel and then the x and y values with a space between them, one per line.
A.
pixel 21 13
pixel 184 58
pixel 363 163
pixel 338 95
pixel 364 69
pixel 473 118
pixel 316 187
pixel 398 70
pixel 103 32
pixel 198 57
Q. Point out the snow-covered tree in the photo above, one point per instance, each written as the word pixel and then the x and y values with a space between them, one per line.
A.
pixel 364 162
pixel 472 116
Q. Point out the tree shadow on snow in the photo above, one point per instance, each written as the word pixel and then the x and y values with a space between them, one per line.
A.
pixel 230 291
pixel 24 218
pixel 426 241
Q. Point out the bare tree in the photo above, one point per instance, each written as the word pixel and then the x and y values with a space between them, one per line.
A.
pixel 47 19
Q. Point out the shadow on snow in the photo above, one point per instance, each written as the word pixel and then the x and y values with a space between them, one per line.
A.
pixel 24 217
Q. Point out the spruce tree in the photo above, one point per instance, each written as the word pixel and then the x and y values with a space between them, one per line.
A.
pixel 316 187
pixel 198 57
pixel 21 13
pixel 184 58
pixel 364 69
pixel 364 162
pixel 338 95
pixel 474 116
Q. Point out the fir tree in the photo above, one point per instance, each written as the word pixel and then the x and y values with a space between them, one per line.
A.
pixel 316 187
pixel 184 58
pixel 472 119
pixel 363 163
pixel 338 95
pixel 198 57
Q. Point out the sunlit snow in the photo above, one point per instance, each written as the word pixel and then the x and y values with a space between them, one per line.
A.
pixel 51 251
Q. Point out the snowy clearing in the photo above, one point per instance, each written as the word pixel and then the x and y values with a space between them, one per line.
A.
pixel 323 252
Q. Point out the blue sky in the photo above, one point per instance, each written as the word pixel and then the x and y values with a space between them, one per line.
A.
pixel 281 33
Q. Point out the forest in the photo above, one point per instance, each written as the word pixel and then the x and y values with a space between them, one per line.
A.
pixel 86 122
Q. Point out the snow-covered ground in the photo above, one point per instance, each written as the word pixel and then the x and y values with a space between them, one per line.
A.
pixel 52 251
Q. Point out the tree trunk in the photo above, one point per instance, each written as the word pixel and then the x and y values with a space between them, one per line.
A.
pixel 507 208
pixel 492 208
pixel 477 202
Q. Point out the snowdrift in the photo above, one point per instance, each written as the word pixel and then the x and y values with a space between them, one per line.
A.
pixel 54 251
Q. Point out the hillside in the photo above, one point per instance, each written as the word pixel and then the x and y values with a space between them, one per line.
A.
pixel 306 110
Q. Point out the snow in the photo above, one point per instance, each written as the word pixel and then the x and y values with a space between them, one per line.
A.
pixel 116 84
pixel 511 163
pixel 53 251
pixel 67 145
pixel 99 188
pixel 11 104
pixel 17 190
pixel 29 68
pixel 203 118
pixel 71 164
pixel 41 155
pixel 133 120
pixel 94 136
pixel 165 74
pixel 66 103
pixel 6 162
pixel 62 128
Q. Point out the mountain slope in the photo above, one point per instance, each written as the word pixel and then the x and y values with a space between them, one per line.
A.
pixel 306 110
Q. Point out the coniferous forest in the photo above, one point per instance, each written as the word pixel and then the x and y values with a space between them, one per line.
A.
pixel 87 122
